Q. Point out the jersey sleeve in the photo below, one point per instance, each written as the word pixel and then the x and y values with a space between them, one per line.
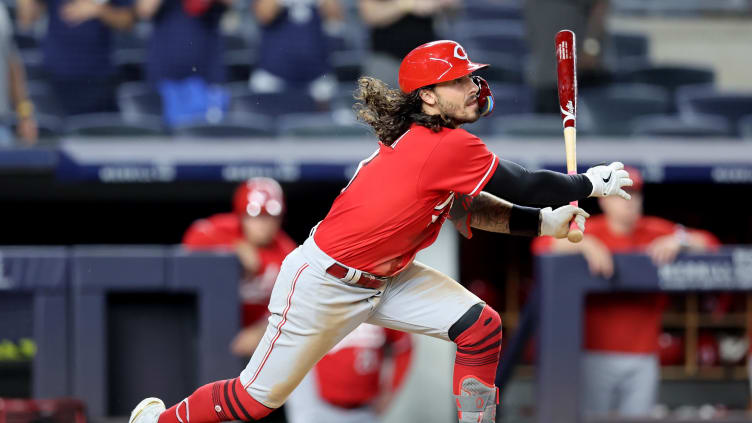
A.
pixel 460 162
pixel 203 234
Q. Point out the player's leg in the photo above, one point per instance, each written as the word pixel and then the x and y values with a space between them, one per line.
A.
pixel 639 388
pixel 311 312
pixel 425 301
pixel 601 374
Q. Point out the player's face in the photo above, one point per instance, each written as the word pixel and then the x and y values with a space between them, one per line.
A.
pixel 458 99
pixel 260 230
pixel 624 212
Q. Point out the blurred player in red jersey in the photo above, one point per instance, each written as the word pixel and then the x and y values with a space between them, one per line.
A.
pixel 349 384
pixel 621 365
pixel 253 231
pixel 359 264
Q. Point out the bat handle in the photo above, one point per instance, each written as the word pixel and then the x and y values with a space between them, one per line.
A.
pixel 575 234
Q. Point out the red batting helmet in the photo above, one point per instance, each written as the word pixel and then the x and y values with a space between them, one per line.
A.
pixel 434 62
pixel 636 177
pixel 259 196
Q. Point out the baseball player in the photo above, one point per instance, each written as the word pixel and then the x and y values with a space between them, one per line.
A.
pixel 358 263
pixel 253 231
pixel 348 385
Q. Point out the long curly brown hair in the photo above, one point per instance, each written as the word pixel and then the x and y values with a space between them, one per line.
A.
pixel 391 112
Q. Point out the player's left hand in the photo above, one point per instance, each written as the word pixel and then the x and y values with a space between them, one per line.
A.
pixel 555 223
pixel 609 180
pixel 663 250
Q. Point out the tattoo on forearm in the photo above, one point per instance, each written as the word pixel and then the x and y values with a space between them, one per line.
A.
pixel 490 213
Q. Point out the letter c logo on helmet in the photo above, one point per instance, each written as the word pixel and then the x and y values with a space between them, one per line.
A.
pixel 435 62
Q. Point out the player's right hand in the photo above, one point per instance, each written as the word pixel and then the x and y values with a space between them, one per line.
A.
pixel 555 223
pixel 609 180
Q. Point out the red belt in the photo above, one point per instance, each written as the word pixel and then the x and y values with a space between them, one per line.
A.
pixel 366 279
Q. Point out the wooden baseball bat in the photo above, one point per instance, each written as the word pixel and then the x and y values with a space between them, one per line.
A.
pixel 566 70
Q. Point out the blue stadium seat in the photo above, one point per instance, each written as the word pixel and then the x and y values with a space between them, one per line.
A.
pixel 504 67
pixel 239 125
pixel 680 127
pixel 138 99
pixel 347 65
pixel 527 126
pixel 44 99
pixel 504 37
pixel 113 124
pixel 609 110
pixel 129 65
pixel 627 48
pixel 242 100
pixel 494 10
pixel 671 77
pixel 324 124
pixel 745 127
pixel 703 100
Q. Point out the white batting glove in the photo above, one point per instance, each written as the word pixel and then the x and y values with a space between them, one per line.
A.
pixel 555 223
pixel 609 180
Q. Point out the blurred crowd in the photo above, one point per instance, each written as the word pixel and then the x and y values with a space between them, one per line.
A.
pixel 236 68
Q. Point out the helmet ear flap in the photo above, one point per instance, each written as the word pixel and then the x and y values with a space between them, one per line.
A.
pixel 485 96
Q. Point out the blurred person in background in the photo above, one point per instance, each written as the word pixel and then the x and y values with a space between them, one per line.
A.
pixel 396 27
pixel 13 89
pixel 294 51
pixel 621 360
pixel 356 381
pixel 77 49
pixel 543 19
pixel 185 60
pixel 253 231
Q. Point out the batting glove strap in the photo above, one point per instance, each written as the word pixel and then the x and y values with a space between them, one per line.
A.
pixel 609 180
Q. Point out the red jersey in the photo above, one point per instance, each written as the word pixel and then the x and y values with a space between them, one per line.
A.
pixel 399 197
pixel 350 374
pixel 624 322
pixel 223 231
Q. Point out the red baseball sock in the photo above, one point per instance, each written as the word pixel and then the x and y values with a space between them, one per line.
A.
pixel 216 402
pixel 478 349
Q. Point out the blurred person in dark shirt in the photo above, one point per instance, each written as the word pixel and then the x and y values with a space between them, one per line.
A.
pixel 13 95
pixel 294 52
pixel 397 27
pixel 185 60
pixel 77 48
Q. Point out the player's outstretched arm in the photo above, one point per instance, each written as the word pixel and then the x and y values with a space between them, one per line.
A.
pixel 546 188
pixel 491 213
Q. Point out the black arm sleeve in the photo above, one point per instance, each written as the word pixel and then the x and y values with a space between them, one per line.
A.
pixel 541 188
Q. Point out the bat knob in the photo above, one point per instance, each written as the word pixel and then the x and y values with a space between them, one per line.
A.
pixel 574 235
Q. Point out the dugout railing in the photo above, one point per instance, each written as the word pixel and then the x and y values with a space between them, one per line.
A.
pixel 555 309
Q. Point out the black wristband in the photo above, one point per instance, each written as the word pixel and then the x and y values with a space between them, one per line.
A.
pixel 524 221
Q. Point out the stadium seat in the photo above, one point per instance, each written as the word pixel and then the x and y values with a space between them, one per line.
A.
pixel 238 66
pixel 44 99
pixel 527 126
pixel 494 10
pixel 504 67
pixel 242 100
pixel 26 40
pixel 703 100
pixel 503 37
pixel 245 125
pixel 113 125
pixel 670 77
pixel 235 42
pixel 680 127
pixel 609 110
pixel 324 124
pixel 745 127
pixel 129 65
pixel 138 99
pixel 626 48
pixel 348 65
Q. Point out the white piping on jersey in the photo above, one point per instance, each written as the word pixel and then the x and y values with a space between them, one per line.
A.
pixel 445 61
pixel 394 144
pixel 442 205
pixel 187 411
pixel 493 161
